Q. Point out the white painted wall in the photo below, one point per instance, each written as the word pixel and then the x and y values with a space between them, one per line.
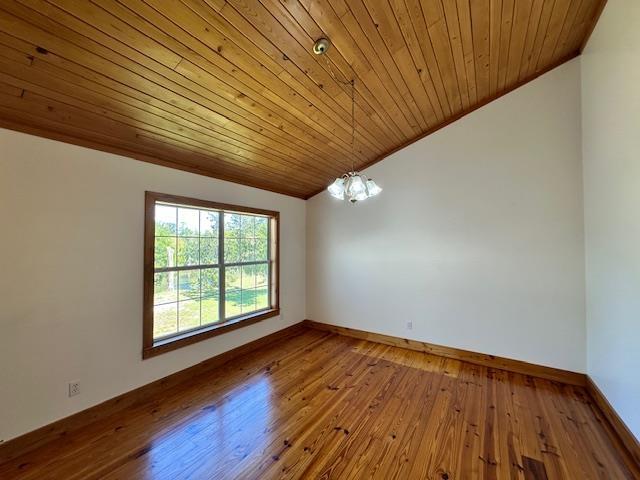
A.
pixel 611 155
pixel 477 237
pixel 70 312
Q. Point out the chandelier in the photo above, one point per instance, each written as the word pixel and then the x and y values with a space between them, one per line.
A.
pixel 353 185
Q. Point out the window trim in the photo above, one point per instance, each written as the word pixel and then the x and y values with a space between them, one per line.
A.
pixel 151 347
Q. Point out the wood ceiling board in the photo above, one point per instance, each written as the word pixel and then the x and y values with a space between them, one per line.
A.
pixel 231 89
pixel 76 74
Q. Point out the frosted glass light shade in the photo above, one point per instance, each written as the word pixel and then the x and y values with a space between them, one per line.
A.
pixel 355 185
pixel 373 188
pixel 336 189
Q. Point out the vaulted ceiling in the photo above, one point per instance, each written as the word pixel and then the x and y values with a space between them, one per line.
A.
pixel 232 89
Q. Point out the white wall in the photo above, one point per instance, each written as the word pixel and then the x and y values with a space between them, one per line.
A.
pixel 71 276
pixel 477 237
pixel 611 155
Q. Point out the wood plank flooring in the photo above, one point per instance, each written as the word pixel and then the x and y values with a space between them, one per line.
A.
pixel 320 405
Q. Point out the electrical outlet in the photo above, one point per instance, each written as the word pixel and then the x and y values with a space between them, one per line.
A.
pixel 74 388
pixel 409 325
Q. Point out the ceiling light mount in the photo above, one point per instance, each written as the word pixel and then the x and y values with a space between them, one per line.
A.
pixel 321 46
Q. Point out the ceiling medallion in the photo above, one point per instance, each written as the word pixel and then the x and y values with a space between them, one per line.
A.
pixel 353 185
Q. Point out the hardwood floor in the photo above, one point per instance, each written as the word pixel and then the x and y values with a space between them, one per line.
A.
pixel 320 405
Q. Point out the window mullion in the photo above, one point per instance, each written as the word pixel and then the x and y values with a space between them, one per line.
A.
pixel 177 277
pixel 221 273
pixel 200 265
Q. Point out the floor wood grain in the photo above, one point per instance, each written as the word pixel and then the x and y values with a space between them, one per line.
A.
pixel 320 405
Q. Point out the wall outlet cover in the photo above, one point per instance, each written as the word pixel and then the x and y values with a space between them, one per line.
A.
pixel 74 388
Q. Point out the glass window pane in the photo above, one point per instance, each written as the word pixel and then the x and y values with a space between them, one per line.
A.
pixel 232 303
pixel 164 288
pixel 188 222
pixel 232 278
pixel 247 249
pixel 165 217
pixel 262 298
pixel 232 292
pixel 261 253
pixel 188 251
pixel 208 250
pixel 262 275
pixel 261 227
pixel 165 252
pixel 231 250
pixel 188 284
pixel 208 223
pixel 232 225
pixel 210 282
pixel 188 315
pixel 248 300
pixel 188 237
pixel 247 223
pixel 165 319
pixel 210 310
pixel 248 276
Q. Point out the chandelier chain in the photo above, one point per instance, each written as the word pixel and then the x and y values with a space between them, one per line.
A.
pixel 351 82
pixel 353 124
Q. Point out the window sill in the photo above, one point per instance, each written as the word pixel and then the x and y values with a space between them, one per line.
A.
pixel 173 343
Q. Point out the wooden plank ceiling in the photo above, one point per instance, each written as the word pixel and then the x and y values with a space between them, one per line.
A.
pixel 231 89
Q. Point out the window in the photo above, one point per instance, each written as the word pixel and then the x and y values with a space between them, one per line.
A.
pixel 209 268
